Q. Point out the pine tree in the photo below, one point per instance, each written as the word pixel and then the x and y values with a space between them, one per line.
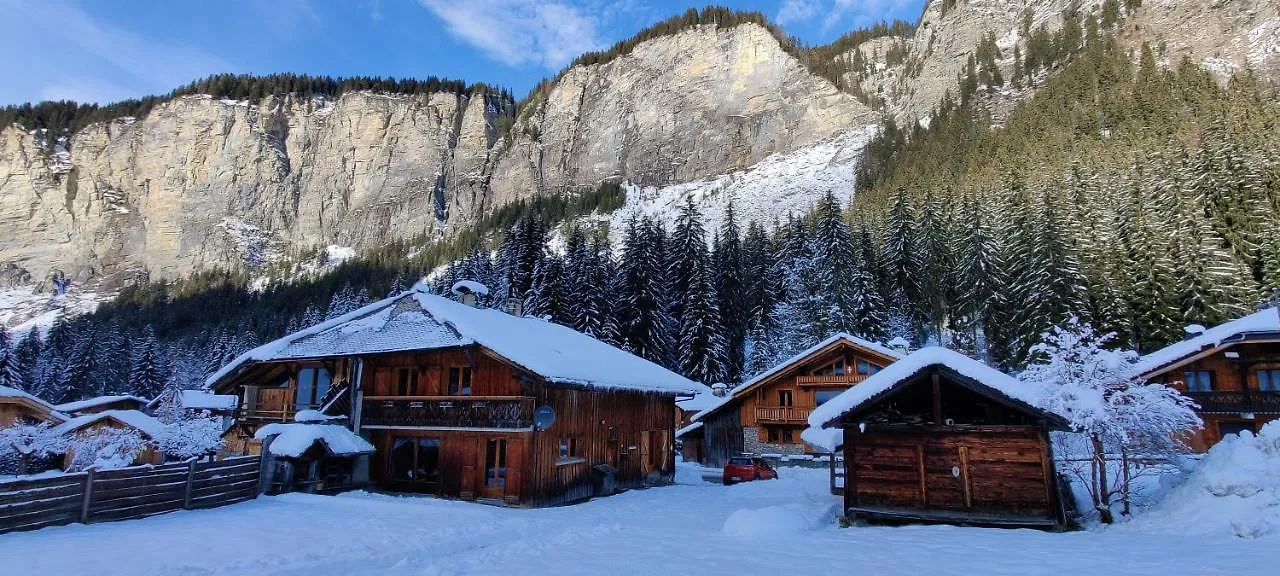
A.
pixel 701 344
pixel 547 296
pixel 730 287
pixel 836 265
pixel 643 322
pixel 9 374
pixel 149 373
pixel 902 264
pixel 687 256
pixel 26 356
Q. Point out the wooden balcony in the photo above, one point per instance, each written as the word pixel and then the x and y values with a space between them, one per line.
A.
pixel 782 414
pixel 1237 402
pixel 493 412
pixel 832 380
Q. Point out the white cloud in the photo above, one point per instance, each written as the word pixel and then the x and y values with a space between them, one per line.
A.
pixel 60 51
pixel 521 32
pixel 793 11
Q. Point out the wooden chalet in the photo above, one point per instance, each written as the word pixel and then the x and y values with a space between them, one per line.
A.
pixel 939 436
pixel 18 407
pixel 1231 370
pixel 469 403
pixel 102 404
pixel 767 414
pixel 144 424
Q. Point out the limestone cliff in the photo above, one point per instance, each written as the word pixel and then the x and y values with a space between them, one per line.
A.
pixel 201 182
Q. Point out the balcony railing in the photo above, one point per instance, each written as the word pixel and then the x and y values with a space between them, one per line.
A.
pixel 1236 402
pixel 505 412
pixel 782 414
pixel 271 412
pixel 841 379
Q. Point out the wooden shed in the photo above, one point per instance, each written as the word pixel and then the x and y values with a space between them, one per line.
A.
pixel 940 437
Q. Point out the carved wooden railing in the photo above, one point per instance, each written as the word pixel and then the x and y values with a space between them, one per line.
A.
pixel 1237 401
pixel 841 379
pixel 507 412
pixel 782 414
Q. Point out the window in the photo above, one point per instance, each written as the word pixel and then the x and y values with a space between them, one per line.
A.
pixel 568 450
pixel 787 436
pixel 864 368
pixel 774 436
pixel 407 381
pixel 495 464
pixel 876 368
pixel 313 384
pixel 833 369
pixel 1269 380
pixel 460 381
pixel 415 459
pixel 1198 380
pixel 784 398
pixel 820 397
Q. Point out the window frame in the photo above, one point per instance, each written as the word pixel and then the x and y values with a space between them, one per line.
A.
pixel 1187 380
pixel 411 382
pixel 789 395
pixel 1273 378
pixel 465 375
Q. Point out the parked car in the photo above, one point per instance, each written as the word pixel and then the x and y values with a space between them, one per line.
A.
pixel 747 468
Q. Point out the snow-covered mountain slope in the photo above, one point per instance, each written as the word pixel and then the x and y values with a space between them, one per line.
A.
pixel 778 186
pixel 25 307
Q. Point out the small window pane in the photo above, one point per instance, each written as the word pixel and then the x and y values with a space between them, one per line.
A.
pixel 1269 380
pixel 863 367
pixel 820 397
pixel 306 387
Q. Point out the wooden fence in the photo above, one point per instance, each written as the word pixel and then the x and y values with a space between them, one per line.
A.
pixel 102 496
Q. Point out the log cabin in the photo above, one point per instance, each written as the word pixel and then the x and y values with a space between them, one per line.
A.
pixel 1231 370
pixel 145 425
pixel 102 404
pixel 940 437
pixel 18 407
pixel 766 414
pixel 470 403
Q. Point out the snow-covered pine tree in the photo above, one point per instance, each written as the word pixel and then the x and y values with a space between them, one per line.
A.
pixel 731 290
pixel 547 297
pixel 341 302
pixel 901 259
pixel 149 373
pixel 936 263
pixel 9 375
pixel 51 366
pixel 702 354
pixel 686 254
pixel 835 263
pixel 26 355
pixel 643 323
pixel 1146 275
pixel 869 313
pixel 603 274
pixel 111 358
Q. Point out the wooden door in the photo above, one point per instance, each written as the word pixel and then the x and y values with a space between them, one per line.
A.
pixel 945 476
pixel 493 473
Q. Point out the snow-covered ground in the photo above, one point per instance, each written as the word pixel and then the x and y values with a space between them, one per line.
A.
pixel 24 307
pixel 786 526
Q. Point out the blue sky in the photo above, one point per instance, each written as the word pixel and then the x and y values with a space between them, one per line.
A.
pixel 100 51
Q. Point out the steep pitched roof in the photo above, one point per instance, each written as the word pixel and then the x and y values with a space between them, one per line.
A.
pixel 1263 323
pixel 15 395
pixel 791 362
pixel 132 418
pixel 882 382
pixel 703 398
pixel 415 320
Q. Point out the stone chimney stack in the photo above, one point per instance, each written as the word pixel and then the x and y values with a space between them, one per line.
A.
pixel 468 291
pixel 1191 331
pixel 900 345
pixel 719 389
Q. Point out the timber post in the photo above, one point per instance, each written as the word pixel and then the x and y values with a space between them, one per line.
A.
pixel 88 496
pixel 191 476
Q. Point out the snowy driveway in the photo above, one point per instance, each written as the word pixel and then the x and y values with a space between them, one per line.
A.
pixel 779 527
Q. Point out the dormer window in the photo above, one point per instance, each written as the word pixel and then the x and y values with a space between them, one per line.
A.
pixel 836 368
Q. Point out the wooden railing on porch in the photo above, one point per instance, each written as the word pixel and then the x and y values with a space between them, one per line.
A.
pixel 842 379
pixel 782 414
pixel 1238 401
pixel 505 412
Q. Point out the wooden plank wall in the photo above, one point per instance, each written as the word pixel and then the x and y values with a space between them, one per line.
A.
pixel 489 376
pixel 461 461
pixel 722 437
pixel 1002 472
pixel 126 493
pixel 630 431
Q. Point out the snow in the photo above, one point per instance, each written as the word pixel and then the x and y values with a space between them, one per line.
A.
pixel 416 320
pixel 292 440
pixel 769 191
pixel 785 364
pixel 142 422
pixel 913 363
pixel 703 398
pixel 10 392
pixel 694 527
pixel 335 254
pixel 1266 321
pixel 1234 490
pixel 469 286
pixel 203 400
pixel 23 308
pixel 687 429
pixel 313 416
pixel 98 401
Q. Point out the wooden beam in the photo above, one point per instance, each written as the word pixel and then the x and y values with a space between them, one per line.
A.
pixel 937 400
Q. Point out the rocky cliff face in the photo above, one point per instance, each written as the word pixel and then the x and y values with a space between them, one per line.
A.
pixel 201 182
pixel 911 75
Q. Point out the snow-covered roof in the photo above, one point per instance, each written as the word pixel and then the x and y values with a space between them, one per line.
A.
pixel 416 320
pixel 79 405
pixel 142 422
pixel 687 429
pixel 799 357
pixel 10 392
pixel 1265 321
pixel 292 440
pixel 719 401
pixel 703 398
pixel 204 400
pixel 909 366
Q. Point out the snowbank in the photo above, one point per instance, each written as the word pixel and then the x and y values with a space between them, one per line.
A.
pixel 775 521
pixel 1235 489
pixel 292 440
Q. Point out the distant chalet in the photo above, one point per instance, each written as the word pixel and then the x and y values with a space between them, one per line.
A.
pixel 447 394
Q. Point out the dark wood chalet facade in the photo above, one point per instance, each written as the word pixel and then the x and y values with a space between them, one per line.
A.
pixel 1232 371
pixel 940 437
pixel 767 414
pixel 449 395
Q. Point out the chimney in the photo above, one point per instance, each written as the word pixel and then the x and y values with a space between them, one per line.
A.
pixel 1191 331
pixel 468 290
pixel 719 389
pixel 900 345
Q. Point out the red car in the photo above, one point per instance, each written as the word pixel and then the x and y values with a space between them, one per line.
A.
pixel 746 468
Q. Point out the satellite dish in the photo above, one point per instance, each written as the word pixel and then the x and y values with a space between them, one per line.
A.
pixel 543 418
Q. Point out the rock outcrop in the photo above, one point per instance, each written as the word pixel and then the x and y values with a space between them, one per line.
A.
pixel 202 182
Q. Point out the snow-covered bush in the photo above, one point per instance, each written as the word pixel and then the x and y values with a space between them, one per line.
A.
pixel 1096 390
pixel 30 440
pixel 190 437
pixel 105 448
